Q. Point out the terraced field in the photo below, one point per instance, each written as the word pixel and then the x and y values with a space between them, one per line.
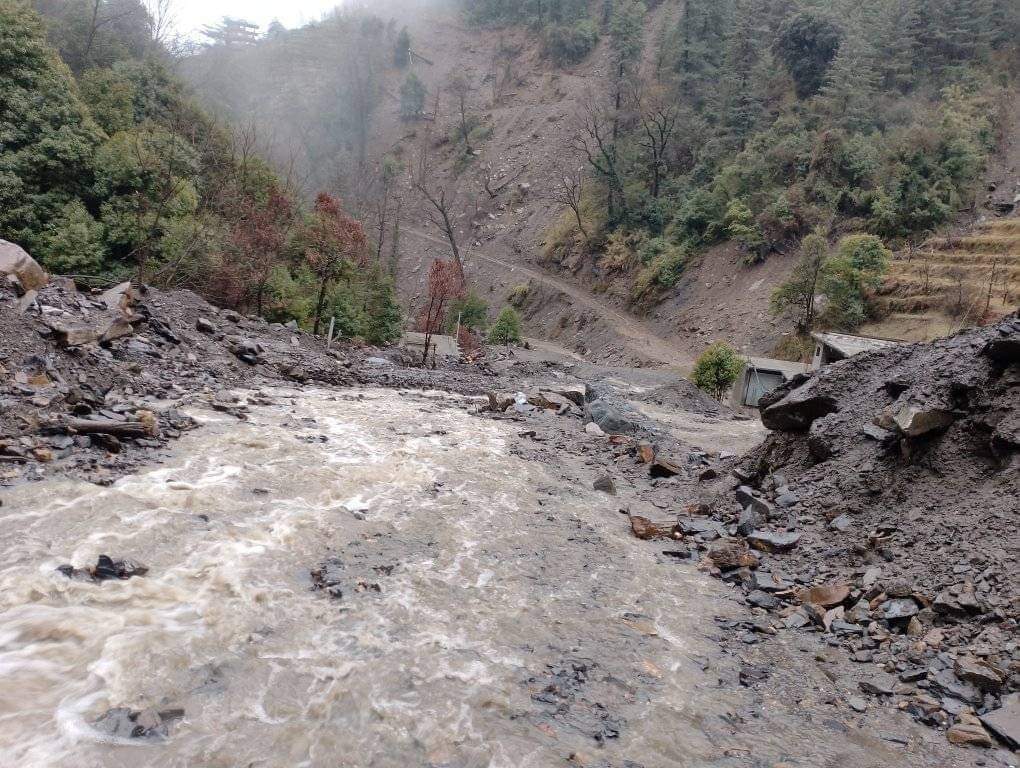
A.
pixel 970 279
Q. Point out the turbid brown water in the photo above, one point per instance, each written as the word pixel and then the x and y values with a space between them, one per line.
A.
pixel 492 615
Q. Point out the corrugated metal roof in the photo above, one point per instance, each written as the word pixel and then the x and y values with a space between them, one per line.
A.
pixel 849 345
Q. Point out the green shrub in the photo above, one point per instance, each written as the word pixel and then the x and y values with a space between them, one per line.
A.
pixel 507 328
pixel 570 43
pixel 741 226
pixel 518 296
pixel 850 276
pixel 717 369
pixel 472 311
pixel 72 242
pixel 412 97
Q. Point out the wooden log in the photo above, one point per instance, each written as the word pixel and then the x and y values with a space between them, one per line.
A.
pixel 108 427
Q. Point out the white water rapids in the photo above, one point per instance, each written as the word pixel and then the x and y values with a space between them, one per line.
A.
pixel 494 614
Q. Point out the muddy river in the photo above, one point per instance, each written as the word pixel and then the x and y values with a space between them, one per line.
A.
pixel 487 612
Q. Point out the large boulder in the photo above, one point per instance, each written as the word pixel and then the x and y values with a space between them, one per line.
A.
pixel 798 408
pixel 918 419
pixel 15 261
pixel 1004 348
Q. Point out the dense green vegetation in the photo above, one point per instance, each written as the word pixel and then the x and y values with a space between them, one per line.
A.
pixel 770 119
pixel 507 328
pixel 109 169
pixel 717 369
pixel 569 33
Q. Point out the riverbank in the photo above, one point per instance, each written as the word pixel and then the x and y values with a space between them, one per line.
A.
pixel 650 462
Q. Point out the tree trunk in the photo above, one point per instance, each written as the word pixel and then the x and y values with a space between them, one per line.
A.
pixel 318 306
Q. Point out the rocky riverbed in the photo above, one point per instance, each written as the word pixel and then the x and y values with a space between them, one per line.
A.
pixel 229 544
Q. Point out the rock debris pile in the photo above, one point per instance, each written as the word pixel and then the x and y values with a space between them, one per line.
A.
pixel 882 513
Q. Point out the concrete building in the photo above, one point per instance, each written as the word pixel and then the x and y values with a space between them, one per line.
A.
pixel 440 347
pixel 761 375
pixel 830 347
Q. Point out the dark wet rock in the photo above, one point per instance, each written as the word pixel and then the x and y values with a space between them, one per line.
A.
pixel 700 526
pixel 767 541
pixel 146 724
pixel 762 599
pixel 105 569
pixel 1004 348
pixel 879 685
pixel 946 682
pixel 802 401
pixel 613 419
pixel 748 521
pixel 981 675
pixel 788 499
pixel 328 577
pixel 751 674
pixel 1004 722
pixel 899 609
pixel 842 627
pixel 957 603
pixel 768 582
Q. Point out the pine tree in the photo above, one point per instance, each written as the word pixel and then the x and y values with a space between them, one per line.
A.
pixel 402 49
pixel 849 89
pixel 742 75
pixel 507 328
pixel 232 32
pixel 892 28
pixel 383 318
pixel 412 97
pixel 700 47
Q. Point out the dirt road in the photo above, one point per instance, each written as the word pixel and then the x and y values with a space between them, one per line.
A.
pixel 637 338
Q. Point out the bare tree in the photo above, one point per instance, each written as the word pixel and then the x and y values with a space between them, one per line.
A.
pixel 439 204
pixel 163 15
pixel 97 21
pixel 459 88
pixel 439 201
pixel 991 286
pixel 658 116
pixel 493 191
pixel 594 141
pixel 504 68
pixel 568 190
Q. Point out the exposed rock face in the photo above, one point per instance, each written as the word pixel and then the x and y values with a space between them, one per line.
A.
pixel 914 420
pixel 1004 722
pixel 15 262
pixel 795 406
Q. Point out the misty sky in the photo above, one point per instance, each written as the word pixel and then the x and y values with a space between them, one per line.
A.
pixel 192 15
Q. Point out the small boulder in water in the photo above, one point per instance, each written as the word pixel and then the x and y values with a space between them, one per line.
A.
pixel 124 723
pixel 106 568
pixel 328 577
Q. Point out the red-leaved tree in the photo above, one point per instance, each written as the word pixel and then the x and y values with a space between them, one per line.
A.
pixel 335 240
pixel 259 236
pixel 445 284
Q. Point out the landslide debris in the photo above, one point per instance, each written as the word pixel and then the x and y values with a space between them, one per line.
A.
pixel 91 381
pixel 884 510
